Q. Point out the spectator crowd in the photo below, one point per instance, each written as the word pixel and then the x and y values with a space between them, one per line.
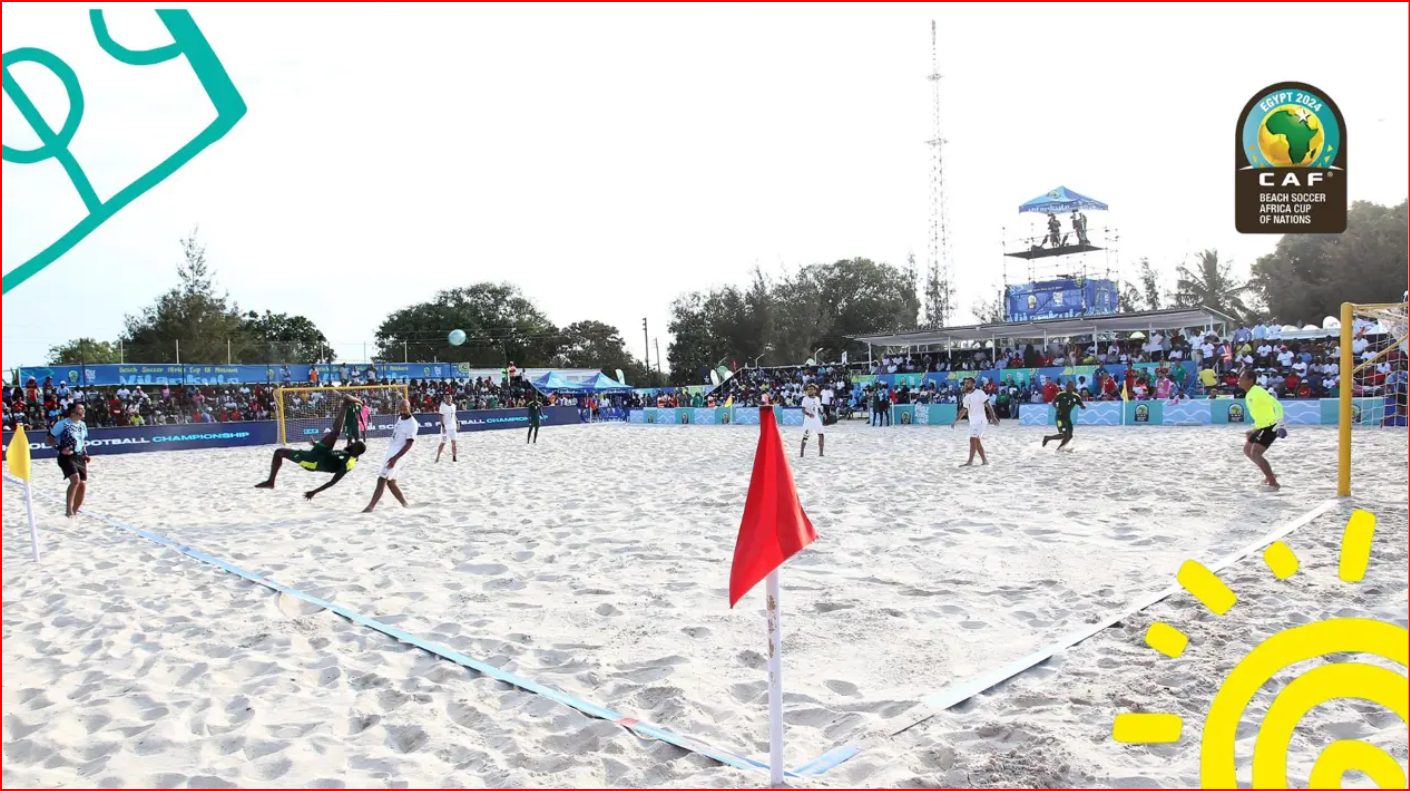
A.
pixel 1163 365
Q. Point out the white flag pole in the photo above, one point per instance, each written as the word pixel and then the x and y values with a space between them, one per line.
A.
pixel 33 530
pixel 775 683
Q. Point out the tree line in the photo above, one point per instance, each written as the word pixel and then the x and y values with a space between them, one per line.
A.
pixel 1304 280
pixel 204 326
pixel 781 319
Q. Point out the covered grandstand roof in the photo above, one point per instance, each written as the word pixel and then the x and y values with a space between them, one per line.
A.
pixel 1055 328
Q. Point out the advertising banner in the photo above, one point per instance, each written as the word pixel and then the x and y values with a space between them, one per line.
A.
pixel 1060 299
pixel 204 436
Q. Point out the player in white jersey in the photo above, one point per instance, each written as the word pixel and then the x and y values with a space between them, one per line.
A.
pixel 812 419
pixel 974 403
pixel 450 425
pixel 403 437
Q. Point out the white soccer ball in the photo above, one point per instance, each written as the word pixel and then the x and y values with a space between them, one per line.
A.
pixel 457 337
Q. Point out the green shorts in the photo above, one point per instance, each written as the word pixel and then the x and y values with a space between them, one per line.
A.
pixel 1064 426
pixel 321 458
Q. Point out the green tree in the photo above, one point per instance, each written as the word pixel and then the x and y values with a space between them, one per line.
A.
pixel 84 351
pixel 1129 299
pixel 207 324
pixel 991 311
pixel 593 344
pixel 1211 283
pixel 500 324
pixel 786 320
pixel 1151 294
pixel 1308 276
pixel 281 338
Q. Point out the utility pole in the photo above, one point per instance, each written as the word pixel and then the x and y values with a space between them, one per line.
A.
pixel 646 341
pixel 405 355
pixel 658 360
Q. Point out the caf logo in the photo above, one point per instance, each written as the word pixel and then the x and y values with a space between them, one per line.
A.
pixel 724 416
pixel 73 376
pixel 906 418
pixel 1032 302
pixel 1236 413
pixel 650 416
pixel 1355 414
pixel 685 417
pixel 1143 413
pixel 1290 165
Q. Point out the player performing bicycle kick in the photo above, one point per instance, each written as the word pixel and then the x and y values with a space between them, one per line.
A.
pixel 323 456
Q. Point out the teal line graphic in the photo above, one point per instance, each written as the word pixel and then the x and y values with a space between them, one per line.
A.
pixel 186 40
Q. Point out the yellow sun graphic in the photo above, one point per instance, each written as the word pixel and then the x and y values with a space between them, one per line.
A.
pixel 1320 685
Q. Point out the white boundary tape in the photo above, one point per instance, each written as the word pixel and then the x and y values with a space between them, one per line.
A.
pixel 817 766
pixel 959 693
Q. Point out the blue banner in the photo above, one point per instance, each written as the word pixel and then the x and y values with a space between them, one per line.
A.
pixel 198 436
pixel 202 436
pixel 162 374
pixel 1060 299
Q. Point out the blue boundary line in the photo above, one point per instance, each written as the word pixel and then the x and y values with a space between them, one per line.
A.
pixel 644 730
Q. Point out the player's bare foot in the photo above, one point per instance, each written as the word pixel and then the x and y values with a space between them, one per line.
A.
pixel 265 485
pixel 1045 442
pixel 967 464
pixel 367 510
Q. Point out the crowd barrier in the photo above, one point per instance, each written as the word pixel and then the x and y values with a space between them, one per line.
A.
pixel 1209 412
pixel 711 416
pixel 1196 412
pixel 203 436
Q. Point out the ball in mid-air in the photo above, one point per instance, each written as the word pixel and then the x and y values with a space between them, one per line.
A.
pixel 457 337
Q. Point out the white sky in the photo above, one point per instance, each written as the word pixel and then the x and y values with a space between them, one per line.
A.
pixel 607 159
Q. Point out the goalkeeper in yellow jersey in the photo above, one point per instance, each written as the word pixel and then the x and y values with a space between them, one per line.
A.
pixel 1267 415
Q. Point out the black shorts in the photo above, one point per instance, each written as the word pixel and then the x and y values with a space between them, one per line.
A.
pixel 1064 427
pixel 73 465
pixel 1264 436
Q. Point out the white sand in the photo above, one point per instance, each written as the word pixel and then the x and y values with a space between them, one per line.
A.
pixel 598 562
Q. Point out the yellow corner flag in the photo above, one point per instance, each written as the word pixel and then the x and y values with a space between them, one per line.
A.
pixel 729 401
pixel 17 455
pixel 1125 394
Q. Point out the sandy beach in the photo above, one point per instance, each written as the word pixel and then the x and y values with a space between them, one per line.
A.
pixel 597 562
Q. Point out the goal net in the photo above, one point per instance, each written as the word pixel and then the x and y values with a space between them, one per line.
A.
pixel 1371 386
pixel 307 413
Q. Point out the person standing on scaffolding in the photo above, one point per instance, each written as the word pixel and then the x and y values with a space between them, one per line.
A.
pixel 1079 226
pixel 1054 231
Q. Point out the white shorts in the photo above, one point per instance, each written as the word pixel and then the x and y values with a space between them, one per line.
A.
pixel 390 473
pixel 976 430
pixel 813 425
pixel 448 435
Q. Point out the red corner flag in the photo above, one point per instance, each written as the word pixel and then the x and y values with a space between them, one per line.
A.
pixel 774 527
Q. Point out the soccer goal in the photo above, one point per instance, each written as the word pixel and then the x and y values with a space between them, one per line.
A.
pixel 1372 378
pixel 307 413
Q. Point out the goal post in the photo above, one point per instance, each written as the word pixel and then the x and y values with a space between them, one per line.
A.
pixel 304 412
pixel 1371 375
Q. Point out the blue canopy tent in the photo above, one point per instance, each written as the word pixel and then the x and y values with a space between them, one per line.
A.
pixel 553 382
pixel 602 383
pixel 1061 200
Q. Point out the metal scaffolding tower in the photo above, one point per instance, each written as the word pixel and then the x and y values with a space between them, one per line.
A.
pixel 939 286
